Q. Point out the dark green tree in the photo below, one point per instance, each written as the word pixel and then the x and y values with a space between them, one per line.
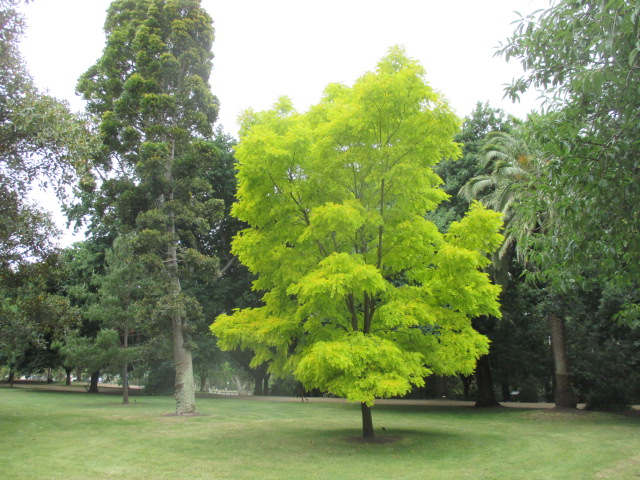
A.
pixel 150 91
pixel 513 165
pixel 34 315
pixel 233 288
pixel 457 173
pixel 126 281
pixel 41 144
pixel 583 56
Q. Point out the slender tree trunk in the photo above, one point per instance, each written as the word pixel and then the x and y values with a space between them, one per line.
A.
pixel 12 376
pixel 258 384
pixel 125 368
pixel 564 396
pixel 185 387
pixel 442 387
pixel 93 386
pixel 466 385
pixel 265 384
pixel 68 371
pixel 367 421
pixel 505 387
pixel 203 379
pixel 49 377
pixel 484 383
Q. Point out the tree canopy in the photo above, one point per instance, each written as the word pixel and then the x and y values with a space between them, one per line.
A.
pixel 583 56
pixel 364 296
pixel 41 144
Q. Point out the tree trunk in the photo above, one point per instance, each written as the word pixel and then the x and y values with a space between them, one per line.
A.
pixel 203 380
pixel 442 386
pixel 466 385
pixel 485 396
pixel 49 377
pixel 12 376
pixel 93 386
pixel 185 387
pixel 68 371
pixel 258 384
pixel 564 396
pixel 125 368
pixel 265 384
pixel 505 388
pixel 367 421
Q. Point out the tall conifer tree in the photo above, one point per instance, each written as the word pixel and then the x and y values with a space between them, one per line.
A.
pixel 150 91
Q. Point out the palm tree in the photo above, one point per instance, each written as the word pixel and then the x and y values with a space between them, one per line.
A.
pixel 513 166
pixel 510 163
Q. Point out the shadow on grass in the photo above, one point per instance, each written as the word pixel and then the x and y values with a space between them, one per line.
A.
pixel 389 437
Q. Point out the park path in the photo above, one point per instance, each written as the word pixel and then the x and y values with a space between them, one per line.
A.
pixel 432 402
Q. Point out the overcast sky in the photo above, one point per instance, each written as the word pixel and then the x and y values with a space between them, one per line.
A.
pixel 268 48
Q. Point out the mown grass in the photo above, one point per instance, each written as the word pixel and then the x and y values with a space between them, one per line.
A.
pixel 45 435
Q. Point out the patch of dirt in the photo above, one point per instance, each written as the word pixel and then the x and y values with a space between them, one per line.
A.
pixel 197 414
pixel 380 439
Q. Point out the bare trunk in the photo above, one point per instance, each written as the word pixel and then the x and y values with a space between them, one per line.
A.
pixel 93 386
pixel 261 378
pixel 68 371
pixel 367 421
pixel 12 376
pixel 125 368
pixel 257 385
pixel 466 385
pixel 442 387
pixel 185 387
pixel 564 397
pixel 484 383
pixel 203 380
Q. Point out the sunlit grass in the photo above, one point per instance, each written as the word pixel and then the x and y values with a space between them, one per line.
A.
pixel 46 435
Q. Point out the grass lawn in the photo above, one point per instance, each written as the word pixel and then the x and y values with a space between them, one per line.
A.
pixel 47 435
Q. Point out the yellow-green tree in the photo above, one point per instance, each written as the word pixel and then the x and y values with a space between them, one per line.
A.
pixel 364 297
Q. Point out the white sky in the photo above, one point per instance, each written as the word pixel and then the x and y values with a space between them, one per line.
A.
pixel 268 48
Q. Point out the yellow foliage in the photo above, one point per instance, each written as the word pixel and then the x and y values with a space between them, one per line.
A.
pixel 364 296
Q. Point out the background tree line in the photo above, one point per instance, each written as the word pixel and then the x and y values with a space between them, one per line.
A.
pixel 154 182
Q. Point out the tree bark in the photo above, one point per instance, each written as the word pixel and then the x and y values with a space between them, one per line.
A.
pixel 125 368
pixel 185 387
pixel 257 385
pixel 466 385
pixel 564 395
pixel 505 387
pixel 93 386
pixel 12 376
pixel 367 421
pixel 485 396
pixel 68 371
pixel 203 380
